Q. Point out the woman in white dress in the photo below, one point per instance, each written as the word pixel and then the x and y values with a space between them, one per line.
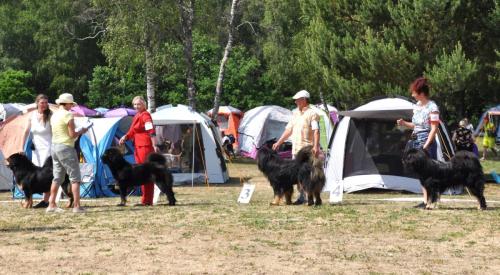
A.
pixel 39 125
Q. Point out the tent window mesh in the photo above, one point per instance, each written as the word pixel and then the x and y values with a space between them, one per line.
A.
pixel 374 147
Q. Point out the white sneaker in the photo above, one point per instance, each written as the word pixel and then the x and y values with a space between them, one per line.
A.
pixel 79 210
pixel 54 210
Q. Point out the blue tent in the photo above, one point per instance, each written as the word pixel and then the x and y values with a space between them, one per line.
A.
pixel 495 119
pixel 104 133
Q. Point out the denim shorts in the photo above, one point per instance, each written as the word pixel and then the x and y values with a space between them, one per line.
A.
pixel 418 140
pixel 65 161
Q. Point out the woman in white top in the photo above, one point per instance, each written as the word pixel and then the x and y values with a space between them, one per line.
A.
pixel 39 125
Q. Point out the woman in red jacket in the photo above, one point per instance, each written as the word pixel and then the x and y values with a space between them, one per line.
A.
pixel 142 132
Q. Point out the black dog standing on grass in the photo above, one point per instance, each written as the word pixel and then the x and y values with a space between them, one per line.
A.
pixel 464 169
pixel 284 173
pixel 32 179
pixel 127 175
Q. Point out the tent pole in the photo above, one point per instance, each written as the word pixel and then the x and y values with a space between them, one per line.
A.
pixel 192 161
pixel 96 162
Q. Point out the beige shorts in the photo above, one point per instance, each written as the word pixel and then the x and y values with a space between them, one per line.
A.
pixel 65 161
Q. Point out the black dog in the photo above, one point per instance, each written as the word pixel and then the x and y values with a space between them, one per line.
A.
pixel 32 179
pixel 284 173
pixel 464 169
pixel 127 175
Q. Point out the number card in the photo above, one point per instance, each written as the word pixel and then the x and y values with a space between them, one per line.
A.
pixel 246 193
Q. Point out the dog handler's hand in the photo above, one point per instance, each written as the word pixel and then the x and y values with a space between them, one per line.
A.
pixel 315 151
pixel 122 141
pixel 275 146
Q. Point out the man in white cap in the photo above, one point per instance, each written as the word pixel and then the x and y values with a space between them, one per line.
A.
pixel 303 128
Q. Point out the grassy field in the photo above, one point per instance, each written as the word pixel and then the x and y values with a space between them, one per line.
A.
pixel 208 232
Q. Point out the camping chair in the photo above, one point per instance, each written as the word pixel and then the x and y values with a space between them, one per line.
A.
pixel 174 162
pixel 87 184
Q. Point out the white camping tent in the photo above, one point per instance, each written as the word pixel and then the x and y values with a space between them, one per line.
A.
pixel 191 144
pixel 259 125
pixel 367 149
pixel 10 109
pixel 6 177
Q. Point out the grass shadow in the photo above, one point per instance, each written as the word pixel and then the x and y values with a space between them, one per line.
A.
pixel 36 229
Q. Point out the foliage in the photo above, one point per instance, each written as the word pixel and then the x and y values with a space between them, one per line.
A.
pixel 351 50
pixel 14 86
pixel 110 88
pixel 452 76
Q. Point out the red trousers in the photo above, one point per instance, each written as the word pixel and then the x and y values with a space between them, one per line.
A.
pixel 141 153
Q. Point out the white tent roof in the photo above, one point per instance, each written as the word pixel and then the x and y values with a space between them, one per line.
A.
pixel 10 109
pixel 226 110
pixel 387 108
pixel 180 114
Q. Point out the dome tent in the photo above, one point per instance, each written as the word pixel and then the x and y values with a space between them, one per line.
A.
pixel 259 125
pixel 367 147
pixel 228 120
pixel 196 142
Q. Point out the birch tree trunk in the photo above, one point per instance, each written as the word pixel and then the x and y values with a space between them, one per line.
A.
pixel 227 51
pixel 150 80
pixel 186 8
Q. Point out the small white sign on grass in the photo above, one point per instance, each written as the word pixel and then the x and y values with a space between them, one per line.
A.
pixel 246 193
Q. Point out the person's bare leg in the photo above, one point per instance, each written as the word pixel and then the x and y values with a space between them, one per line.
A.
pixel 75 187
pixel 46 196
pixel 424 193
pixel 53 194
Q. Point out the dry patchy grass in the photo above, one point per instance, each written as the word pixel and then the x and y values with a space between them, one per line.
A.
pixel 208 232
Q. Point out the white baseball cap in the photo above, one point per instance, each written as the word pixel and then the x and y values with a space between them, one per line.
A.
pixel 301 93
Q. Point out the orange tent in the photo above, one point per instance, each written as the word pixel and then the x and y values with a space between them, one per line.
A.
pixel 228 119
pixel 14 131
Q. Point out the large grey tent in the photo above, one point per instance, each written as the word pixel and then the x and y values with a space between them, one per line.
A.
pixel 367 147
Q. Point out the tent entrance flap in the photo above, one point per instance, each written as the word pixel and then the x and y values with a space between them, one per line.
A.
pixel 183 151
pixel 374 147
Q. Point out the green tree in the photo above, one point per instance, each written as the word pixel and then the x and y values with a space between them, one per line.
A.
pixel 136 30
pixel 452 79
pixel 110 87
pixel 14 86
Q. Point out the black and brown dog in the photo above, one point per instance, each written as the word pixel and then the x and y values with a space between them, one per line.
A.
pixel 311 176
pixel 464 169
pixel 305 170
pixel 128 175
pixel 32 179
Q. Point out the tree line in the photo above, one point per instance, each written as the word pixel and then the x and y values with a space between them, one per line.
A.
pixel 107 51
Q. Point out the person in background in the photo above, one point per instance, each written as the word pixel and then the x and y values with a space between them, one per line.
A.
pixel 65 160
pixel 304 130
pixel 489 137
pixel 41 132
pixel 142 132
pixel 424 122
pixel 463 138
pixel 468 125
pixel 187 149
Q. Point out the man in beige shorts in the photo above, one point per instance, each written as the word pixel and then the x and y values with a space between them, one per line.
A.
pixel 303 128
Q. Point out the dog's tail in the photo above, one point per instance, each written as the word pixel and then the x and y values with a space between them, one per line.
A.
pixel 158 159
